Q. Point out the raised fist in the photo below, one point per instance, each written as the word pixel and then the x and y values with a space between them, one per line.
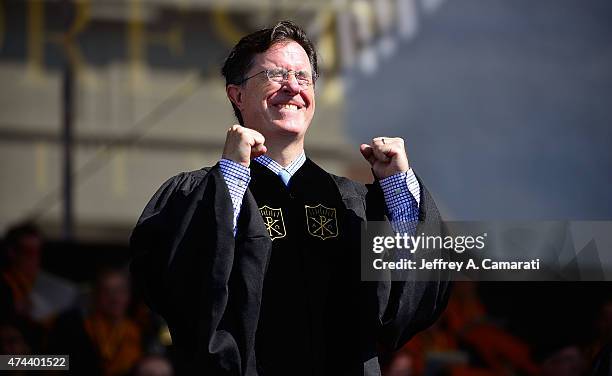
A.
pixel 386 155
pixel 243 144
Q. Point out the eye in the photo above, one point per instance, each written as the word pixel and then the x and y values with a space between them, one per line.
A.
pixel 277 74
pixel 302 76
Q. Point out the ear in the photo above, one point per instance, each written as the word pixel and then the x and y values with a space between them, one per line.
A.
pixel 234 93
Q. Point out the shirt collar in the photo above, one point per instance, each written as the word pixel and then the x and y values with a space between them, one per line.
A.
pixel 275 167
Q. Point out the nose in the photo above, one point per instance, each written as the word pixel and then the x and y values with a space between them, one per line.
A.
pixel 292 85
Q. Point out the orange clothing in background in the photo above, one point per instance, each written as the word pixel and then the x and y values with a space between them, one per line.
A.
pixel 466 318
pixel 117 343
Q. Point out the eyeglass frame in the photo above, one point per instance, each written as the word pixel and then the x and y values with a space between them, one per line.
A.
pixel 311 82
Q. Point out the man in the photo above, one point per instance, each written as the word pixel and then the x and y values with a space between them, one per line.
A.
pixel 254 263
pixel 22 251
pixel 104 340
pixel 26 290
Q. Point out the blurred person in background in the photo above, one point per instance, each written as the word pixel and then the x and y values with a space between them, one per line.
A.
pixel 21 265
pixel 153 365
pixel 498 351
pixel 29 297
pixel 26 291
pixel 254 263
pixel 105 341
pixel 402 364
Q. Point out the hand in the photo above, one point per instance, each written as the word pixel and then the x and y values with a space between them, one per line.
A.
pixel 386 155
pixel 243 144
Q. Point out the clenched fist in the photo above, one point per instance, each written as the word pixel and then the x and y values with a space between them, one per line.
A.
pixel 386 155
pixel 243 144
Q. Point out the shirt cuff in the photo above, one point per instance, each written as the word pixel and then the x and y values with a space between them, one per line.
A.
pixel 413 186
pixel 401 202
pixel 400 190
pixel 237 178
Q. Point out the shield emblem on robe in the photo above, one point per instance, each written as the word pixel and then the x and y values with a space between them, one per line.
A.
pixel 321 221
pixel 273 219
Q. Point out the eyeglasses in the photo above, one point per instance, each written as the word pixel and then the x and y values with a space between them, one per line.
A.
pixel 281 75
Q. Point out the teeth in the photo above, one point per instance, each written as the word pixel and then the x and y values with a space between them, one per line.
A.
pixel 289 106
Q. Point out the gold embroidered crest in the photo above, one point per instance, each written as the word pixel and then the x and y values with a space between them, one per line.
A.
pixel 321 221
pixel 273 219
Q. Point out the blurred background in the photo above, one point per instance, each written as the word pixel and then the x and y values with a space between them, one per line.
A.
pixel 505 106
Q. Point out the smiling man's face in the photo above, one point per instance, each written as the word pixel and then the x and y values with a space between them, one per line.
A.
pixel 278 109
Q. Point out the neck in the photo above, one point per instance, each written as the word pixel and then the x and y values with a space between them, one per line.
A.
pixel 284 153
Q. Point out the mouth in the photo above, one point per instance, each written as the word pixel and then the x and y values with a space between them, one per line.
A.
pixel 289 106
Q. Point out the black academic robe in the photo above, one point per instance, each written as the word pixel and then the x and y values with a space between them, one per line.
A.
pixel 208 284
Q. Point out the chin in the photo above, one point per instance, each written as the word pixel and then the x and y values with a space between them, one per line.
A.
pixel 291 126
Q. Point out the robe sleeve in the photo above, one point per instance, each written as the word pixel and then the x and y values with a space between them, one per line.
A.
pixel 193 272
pixel 408 306
pixel 151 242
